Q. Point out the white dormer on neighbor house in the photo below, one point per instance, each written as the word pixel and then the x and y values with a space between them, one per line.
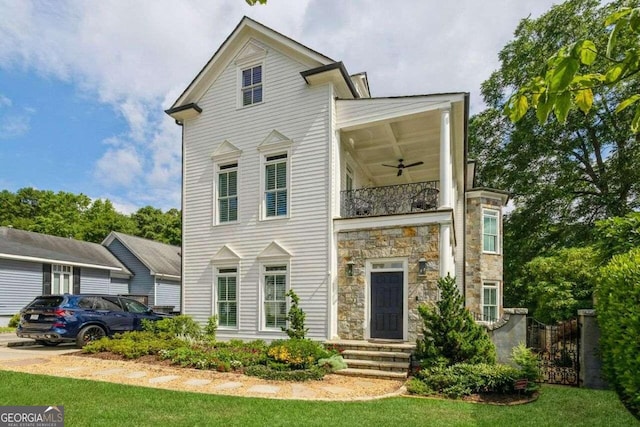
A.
pixel 294 177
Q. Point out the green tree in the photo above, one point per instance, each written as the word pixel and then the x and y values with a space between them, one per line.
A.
pixel 101 218
pixel 450 334
pixel 563 178
pixel 568 79
pixel 557 286
pixel 153 224
pixel 295 328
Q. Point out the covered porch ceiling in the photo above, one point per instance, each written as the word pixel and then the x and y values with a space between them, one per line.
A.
pixel 413 138
pixel 377 131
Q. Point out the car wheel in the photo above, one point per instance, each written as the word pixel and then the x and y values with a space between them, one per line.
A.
pixel 88 334
pixel 47 343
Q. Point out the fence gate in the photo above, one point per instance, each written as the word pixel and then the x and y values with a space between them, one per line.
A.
pixel 557 347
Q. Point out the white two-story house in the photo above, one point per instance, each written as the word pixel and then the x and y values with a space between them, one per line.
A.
pixel 295 177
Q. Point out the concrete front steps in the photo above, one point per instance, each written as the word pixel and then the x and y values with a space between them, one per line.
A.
pixel 374 359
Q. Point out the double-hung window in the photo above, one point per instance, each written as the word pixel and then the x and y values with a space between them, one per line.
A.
pixel 227 297
pixel 61 279
pixel 490 230
pixel 228 193
pixel 251 85
pixel 274 298
pixel 490 302
pixel 275 195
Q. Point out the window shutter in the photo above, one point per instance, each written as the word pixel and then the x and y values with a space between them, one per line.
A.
pixel 76 280
pixel 46 279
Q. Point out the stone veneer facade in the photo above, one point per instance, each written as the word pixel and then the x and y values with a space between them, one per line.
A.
pixel 480 266
pixel 410 242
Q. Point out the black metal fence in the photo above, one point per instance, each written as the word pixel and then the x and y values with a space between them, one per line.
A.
pixel 558 348
pixel 389 200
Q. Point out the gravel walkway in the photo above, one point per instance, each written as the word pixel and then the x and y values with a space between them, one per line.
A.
pixel 332 387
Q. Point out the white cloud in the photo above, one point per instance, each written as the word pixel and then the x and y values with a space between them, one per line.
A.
pixel 4 101
pixel 119 167
pixel 139 56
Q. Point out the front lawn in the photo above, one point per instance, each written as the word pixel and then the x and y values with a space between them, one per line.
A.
pixel 92 403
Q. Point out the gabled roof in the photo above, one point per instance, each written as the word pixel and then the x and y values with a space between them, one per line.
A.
pixel 244 31
pixel 161 259
pixel 29 246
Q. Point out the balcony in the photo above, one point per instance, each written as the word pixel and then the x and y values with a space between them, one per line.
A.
pixel 389 200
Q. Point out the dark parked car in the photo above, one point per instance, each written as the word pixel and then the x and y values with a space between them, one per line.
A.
pixel 52 319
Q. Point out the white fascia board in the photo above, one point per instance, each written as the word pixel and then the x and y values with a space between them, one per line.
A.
pixel 59 261
pixel 357 122
pixel 436 217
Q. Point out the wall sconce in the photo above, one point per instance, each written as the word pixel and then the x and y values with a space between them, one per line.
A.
pixel 350 268
pixel 422 267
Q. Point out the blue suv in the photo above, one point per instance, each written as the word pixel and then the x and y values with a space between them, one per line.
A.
pixel 53 319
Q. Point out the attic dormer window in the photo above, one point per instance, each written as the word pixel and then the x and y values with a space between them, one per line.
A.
pixel 252 85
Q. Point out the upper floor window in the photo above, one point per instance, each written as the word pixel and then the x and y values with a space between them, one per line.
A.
pixel 349 179
pixel 228 193
pixel 275 196
pixel 252 85
pixel 490 230
pixel 62 279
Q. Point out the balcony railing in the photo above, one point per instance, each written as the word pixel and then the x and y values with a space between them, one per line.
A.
pixel 389 200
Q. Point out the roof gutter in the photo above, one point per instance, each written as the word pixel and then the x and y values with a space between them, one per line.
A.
pixel 61 261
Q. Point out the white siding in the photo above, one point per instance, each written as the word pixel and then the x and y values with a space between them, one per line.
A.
pixel 168 293
pixel 20 282
pixel 94 281
pixel 300 113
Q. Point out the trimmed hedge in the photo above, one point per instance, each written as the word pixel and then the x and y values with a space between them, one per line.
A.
pixel 618 311
pixel 269 373
pixel 464 379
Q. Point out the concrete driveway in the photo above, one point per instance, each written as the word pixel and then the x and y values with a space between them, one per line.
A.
pixel 27 350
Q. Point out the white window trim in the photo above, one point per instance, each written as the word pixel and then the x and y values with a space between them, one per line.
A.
pixel 217 170
pixel 498 216
pixel 493 284
pixel 214 294
pixel 263 270
pixel 241 66
pixel 274 150
pixel 218 161
pixel 63 270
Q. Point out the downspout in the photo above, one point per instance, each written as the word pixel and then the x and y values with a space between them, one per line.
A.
pixel 464 198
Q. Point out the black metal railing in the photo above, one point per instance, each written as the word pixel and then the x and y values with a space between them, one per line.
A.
pixel 389 200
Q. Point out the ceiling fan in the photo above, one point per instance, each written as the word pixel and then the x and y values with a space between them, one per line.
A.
pixel 401 166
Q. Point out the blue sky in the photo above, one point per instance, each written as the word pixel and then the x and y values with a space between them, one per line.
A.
pixel 83 85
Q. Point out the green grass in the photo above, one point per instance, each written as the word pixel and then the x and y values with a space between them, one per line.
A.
pixel 6 329
pixel 89 403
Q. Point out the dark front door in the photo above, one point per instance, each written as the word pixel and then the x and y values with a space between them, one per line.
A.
pixel 386 305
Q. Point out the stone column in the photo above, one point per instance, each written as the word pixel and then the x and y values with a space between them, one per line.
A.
pixel 446 174
pixel 590 363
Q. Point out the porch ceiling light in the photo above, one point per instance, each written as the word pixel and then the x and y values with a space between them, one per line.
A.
pixel 350 268
pixel 422 267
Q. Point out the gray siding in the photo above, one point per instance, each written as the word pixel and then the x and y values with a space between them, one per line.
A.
pixel 20 282
pixel 142 282
pixel 119 286
pixel 94 281
pixel 168 293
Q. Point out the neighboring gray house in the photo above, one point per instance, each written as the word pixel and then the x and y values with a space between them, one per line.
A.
pixel 33 264
pixel 155 266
